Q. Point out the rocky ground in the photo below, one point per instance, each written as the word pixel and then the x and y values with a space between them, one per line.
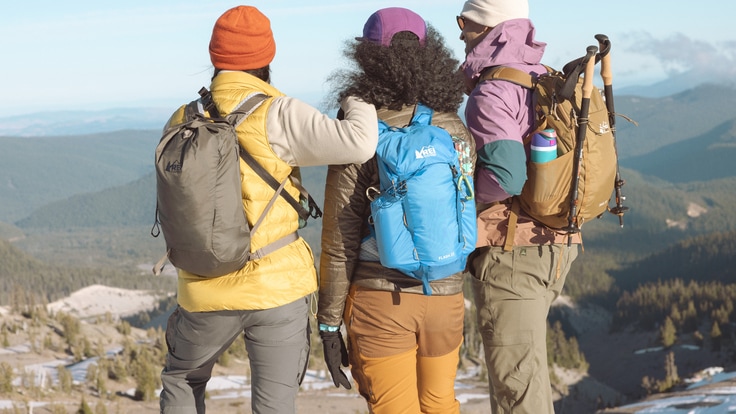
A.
pixel 618 363
pixel 96 307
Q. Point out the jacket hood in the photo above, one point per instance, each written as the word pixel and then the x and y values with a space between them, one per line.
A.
pixel 510 43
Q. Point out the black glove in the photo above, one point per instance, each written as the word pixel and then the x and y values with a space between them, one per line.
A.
pixel 336 354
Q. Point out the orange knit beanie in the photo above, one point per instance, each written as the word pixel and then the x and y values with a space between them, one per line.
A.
pixel 242 40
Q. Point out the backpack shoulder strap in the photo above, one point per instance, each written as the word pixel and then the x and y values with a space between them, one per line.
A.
pixel 235 118
pixel 528 81
pixel 245 108
pixel 512 75
pixel 422 115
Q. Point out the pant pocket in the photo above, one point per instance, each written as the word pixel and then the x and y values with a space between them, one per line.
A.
pixel 170 331
pixel 304 357
pixel 510 366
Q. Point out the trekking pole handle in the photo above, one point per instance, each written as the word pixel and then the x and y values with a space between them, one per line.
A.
pixel 589 72
pixel 605 45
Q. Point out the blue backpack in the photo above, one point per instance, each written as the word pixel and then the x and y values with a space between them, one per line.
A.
pixel 424 215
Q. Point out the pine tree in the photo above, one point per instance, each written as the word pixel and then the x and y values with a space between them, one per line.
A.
pixel 6 378
pixel 716 336
pixel 648 384
pixel 670 368
pixel 65 379
pixel 668 333
pixel 84 408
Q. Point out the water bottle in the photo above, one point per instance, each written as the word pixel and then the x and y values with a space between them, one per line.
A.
pixel 544 146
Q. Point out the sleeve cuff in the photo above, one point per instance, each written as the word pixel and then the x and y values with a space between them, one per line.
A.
pixel 328 328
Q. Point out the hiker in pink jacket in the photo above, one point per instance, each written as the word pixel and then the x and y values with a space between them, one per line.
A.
pixel 514 289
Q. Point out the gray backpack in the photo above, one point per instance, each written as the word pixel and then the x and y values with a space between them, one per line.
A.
pixel 199 202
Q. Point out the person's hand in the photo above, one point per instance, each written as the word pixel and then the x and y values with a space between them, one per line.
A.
pixel 336 354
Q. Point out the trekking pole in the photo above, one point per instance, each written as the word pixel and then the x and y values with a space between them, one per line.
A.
pixel 589 62
pixel 606 73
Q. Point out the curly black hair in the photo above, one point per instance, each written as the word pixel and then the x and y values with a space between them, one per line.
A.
pixel 402 74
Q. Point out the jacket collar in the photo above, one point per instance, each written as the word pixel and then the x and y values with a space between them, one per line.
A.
pixel 510 43
pixel 238 80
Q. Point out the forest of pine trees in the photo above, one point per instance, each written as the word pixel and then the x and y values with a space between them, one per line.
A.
pixel 686 305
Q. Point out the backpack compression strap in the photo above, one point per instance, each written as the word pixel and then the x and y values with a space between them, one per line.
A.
pixel 275 245
pixel 235 118
pixel 304 214
pixel 423 116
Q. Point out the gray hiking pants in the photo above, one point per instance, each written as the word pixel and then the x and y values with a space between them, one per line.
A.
pixel 513 293
pixel 277 341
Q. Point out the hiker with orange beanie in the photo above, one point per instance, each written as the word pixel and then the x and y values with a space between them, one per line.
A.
pixel 266 301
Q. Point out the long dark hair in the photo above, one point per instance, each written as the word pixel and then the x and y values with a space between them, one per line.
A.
pixel 402 74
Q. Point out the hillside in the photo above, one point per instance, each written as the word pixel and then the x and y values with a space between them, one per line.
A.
pixel 35 171
pixel 85 351
pixel 710 257
pixel 73 229
pixel 664 121
pixel 71 123
pixel 100 309
pixel 686 160
pixel 25 278
pixel 130 204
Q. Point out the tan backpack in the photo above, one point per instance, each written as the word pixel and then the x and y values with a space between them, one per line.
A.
pixel 559 193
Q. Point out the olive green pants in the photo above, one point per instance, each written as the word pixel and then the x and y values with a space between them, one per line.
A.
pixel 513 293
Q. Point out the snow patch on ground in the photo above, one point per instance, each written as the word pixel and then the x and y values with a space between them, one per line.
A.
pixel 98 300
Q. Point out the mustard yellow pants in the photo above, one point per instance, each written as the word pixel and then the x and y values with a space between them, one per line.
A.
pixel 404 350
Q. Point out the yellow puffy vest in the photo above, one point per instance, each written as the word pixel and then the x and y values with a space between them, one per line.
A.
pixel 282 276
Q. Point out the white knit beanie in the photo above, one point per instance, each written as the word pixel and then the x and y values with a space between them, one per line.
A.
pixel 492 12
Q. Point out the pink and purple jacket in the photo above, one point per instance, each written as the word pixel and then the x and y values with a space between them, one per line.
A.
pixel 500 114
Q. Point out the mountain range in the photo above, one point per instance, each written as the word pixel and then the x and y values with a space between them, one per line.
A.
pixel 88 199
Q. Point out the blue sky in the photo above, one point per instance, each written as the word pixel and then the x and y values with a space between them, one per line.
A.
pixel 93 55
